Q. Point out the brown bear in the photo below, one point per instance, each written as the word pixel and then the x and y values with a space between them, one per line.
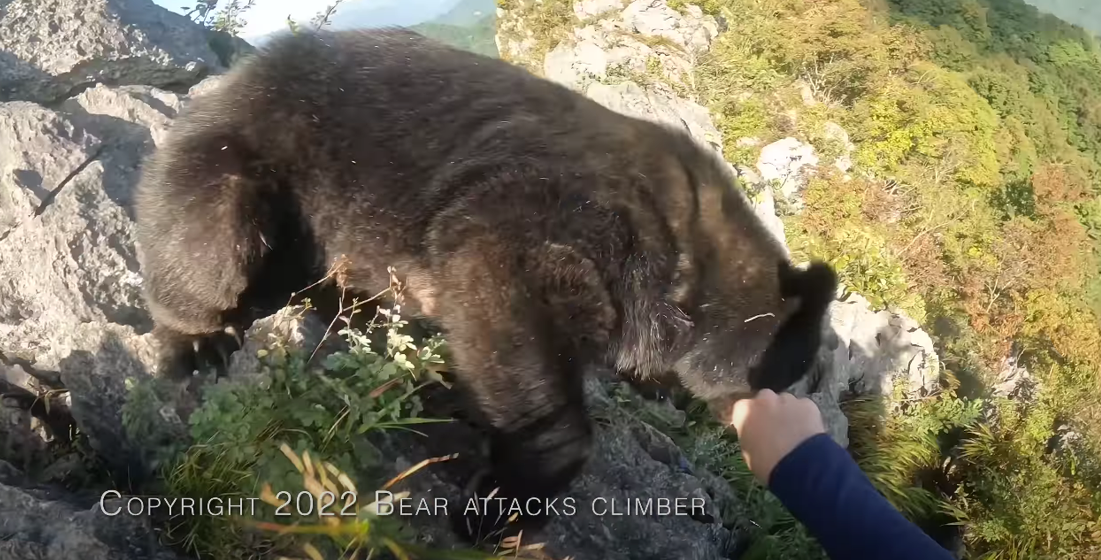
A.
pixel 539 230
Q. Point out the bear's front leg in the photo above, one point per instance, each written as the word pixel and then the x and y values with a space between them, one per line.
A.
pixel 524 382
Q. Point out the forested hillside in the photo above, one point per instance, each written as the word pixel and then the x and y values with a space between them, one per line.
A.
pixel 974 206
pixel 469 25
pixel 1085 13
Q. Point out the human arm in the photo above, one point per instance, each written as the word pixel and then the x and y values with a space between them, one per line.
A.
pixel 786 446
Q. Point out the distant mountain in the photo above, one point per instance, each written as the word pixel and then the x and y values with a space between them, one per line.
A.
pixel 385 13
pixel 477 38
pixel 469 25
pixel 353 14
pixel 1083 13
pixel 468 13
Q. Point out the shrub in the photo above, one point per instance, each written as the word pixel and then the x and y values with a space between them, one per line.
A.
pixel 245 432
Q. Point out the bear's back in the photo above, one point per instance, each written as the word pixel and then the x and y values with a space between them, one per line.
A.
pixel 407 101
pixel 391 121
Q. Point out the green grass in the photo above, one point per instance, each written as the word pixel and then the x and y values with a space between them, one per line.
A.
pixel 303 425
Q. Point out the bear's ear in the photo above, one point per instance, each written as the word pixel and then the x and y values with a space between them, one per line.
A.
pixel 793 350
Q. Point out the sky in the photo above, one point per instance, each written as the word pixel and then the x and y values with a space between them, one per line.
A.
pixel 268 16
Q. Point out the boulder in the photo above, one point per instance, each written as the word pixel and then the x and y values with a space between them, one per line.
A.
pixel 70 285
pixel 691 30
pixel 764 206
pixel 609 50
pixel 868 352
pixel 205 86
pixel 121 113
pixel 835 133
pixel 787 163
pixel 1014 381
pixel 67 257
pixel 48 523
pixel 631 99
pixel 51 48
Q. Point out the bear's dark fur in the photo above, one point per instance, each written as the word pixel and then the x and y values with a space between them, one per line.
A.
pixel 539 230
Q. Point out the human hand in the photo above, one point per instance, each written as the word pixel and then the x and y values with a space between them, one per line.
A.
pixel 770 426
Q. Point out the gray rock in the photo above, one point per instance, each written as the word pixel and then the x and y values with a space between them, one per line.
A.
pixel 292 326
pixel 880 350
pixel 763 202
pixel 764 206
pixel 655 18
pixel 48 524
pixel 787 162
pixel 631 99
pixel 101 363
pixel 573 64
pixel 630 461
pixel 39 148
pixel 230 49
pixel 586 9
pixel 32 416
pixel 834 132
pixel 609 51
pixel 67 257
pixel 121 112
pixel 49 48
pixel 1015 381
pixel 866 352
pixel 205 86
pixel 22 438
pixel 70 285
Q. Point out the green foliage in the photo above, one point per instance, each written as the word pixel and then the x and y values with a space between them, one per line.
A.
pixel 323 411
pixel 973 207
pixel 749 119
pixel 713 7
pixel 1030 510
pixel 547 22
pixel 864 264
pixel 859 252
pixel 771 531
pixel 145 425
pixel 895 448
pixel 228 18
pixel 929 115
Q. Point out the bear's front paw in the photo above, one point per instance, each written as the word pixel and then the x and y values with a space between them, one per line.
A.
pixel 180 356
pixel 490 514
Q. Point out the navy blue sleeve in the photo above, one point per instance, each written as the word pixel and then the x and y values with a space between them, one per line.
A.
pixel 823 488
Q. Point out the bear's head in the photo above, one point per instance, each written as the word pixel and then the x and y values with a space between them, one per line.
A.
pixel 737 316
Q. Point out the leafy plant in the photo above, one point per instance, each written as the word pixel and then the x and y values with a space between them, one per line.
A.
pixel 244 431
